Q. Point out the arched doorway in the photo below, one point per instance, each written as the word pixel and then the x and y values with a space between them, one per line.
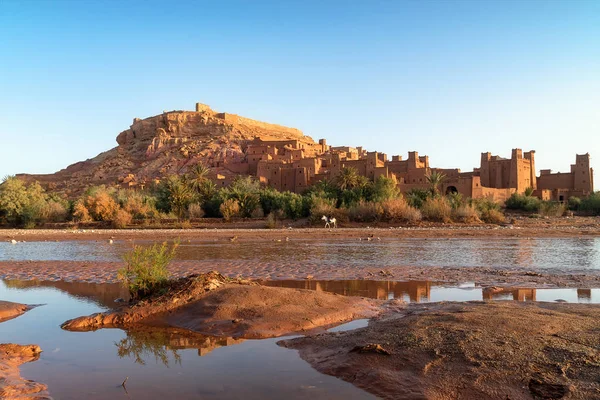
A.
pixel 451 190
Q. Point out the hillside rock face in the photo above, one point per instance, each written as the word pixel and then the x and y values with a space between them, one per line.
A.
pixel 169 143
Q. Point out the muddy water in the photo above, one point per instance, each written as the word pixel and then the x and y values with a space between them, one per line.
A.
pixel 542 253
pixel 160 364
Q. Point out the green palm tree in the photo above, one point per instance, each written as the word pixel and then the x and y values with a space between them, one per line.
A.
pixel 198 176
pixel 348 178
pixel 435 179
pixel 180 195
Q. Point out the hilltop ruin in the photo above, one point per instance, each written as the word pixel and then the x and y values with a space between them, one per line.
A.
pixel 286 159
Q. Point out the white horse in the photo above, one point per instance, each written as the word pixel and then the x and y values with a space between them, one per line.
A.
pixel 329 221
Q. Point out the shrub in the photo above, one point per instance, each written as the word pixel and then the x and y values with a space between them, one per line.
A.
pixel 455 200
pixel 552 209
pixel 137 204
pixel 100 204
pixel 385 189
pixel 492 216
pixel 81 213
pixel 121 219
pixel 195 210
pixel 229 208
pixel 416 197
pixel 145 269
pixel 271 221
pixel 521 202
pixel 55 211
pixel 467 214
pixel 437 209
pixel 591 204
pixel 399 210
pixel 257 213
pixel 574 203
pixel 365 212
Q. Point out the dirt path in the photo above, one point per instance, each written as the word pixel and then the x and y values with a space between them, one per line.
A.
pixel 475 350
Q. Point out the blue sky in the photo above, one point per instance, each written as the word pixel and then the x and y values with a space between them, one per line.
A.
pixel 449 79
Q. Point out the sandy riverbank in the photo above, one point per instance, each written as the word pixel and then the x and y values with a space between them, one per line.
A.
pixel 525 227
pixel 475 350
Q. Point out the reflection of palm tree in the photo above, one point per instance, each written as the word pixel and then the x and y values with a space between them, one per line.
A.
pixel 143 341
pixel 140 343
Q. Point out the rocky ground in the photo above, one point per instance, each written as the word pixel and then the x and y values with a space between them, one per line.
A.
pixel 475 350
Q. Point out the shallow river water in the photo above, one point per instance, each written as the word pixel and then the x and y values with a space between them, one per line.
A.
pixel 161 363
pixel 542 253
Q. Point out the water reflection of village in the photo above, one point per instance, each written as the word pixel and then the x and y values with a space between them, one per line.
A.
pixel 414 291
pixel 160 343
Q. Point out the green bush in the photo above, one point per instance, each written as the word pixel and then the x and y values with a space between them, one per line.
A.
pixel 416 197
pixel 26 205
pixel 525 203
pixel 591 204
pixel 574 203
pixel 145 269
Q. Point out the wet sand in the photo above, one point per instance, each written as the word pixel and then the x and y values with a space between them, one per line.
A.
pixel 211 304
pixel 106 272
pixel 475 350
pixel 12 385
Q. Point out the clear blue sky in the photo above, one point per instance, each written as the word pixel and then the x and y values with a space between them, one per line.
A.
pixel 450 79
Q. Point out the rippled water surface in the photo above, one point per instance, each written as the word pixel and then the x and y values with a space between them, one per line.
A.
pixel 563 253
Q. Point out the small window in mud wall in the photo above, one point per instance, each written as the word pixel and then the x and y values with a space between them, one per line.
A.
pixel 561 198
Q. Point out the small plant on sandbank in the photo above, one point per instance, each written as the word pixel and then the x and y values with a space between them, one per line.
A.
pixel 145 269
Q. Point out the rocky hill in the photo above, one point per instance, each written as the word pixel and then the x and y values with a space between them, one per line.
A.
pixel 165 144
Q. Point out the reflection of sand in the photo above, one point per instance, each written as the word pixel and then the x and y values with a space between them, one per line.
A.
pixel 102 293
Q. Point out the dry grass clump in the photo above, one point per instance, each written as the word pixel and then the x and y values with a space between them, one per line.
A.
pixel 229 208
pixel 365 211
pixel 399 210
pixel 121 219
pixel 195 210
pixel 321 206
pixel 466 214
pixel 437 209
pixel 493 216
